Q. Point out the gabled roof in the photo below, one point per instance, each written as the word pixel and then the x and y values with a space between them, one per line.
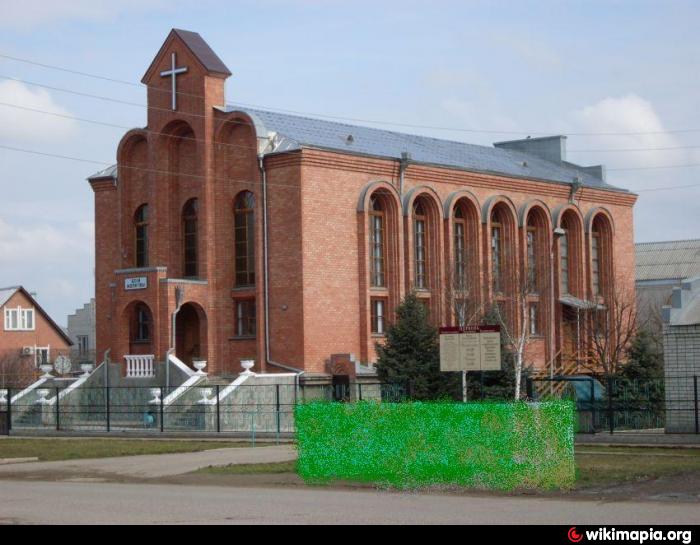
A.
pixel 7 293
pixel 669 260
pixel 295 132
pixel 199 48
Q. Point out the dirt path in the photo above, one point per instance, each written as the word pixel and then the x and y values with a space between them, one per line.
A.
pixel 148 466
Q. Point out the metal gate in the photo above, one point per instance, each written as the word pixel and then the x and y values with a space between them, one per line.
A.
pixel 4 422
pixel 607 403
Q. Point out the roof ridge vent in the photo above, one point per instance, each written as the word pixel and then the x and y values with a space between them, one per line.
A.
pixel 350 139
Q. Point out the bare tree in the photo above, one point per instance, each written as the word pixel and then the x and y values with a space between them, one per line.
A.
pixel 15 370
pixel 513 309
pixel 462 297
pixel 613 328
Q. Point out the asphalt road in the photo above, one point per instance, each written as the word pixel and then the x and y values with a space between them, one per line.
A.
pixel 95 503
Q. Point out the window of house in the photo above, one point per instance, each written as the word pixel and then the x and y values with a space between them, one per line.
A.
pixel 82 345
pixel 143 324
pixel 460 250
pixel 376 243
pixel 533 319
pixel 189 237
pixel 595 262
pixel 245 318
pixel 42 355
pixel 244 225
pixel 19 319
pixel 497 256
pixel 141 228
pixel 564 261
pixel 419 222
pixel 378 307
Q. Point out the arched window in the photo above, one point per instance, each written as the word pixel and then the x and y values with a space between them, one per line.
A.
pixel 376 243
pixel 142 329
pixel 420 248
pixel 460 249
pixel 141 235
pixel 244 226
pixel 595 261
pixel 189 238
pixel 497 226
pixel 601 256
pixel 533 254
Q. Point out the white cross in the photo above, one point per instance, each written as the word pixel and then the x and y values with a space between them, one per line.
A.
pixel 173 72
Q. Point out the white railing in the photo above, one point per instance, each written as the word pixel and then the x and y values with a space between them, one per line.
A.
pixel 140 366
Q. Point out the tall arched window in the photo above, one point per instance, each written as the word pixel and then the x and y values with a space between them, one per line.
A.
pixel 189 238
pixel 376 243
pixel 460 249
pixel 533 254
pixel 595 261
pixel 497 251
pixel 419 240
pixel 244 226
pixel 141 235
pixel 142 329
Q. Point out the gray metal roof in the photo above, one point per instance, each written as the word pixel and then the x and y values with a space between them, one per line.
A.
pixel 6 293
pixel 294 132
pixel 672 260
pixel 109 172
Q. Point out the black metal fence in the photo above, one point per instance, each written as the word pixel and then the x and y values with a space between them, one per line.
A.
pixel 252 410
pixel 610 404
pixel 618 404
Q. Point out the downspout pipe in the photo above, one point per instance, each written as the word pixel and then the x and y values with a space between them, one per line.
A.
pixel 266 271
pixel 403 165
pixel 178 305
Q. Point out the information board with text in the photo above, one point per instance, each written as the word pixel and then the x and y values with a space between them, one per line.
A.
pixel 474 348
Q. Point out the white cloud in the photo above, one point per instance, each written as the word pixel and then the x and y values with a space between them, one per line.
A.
pixel 26 125
pixel 659 215
pixel 628 114
pixel 28 14
pixel 44 245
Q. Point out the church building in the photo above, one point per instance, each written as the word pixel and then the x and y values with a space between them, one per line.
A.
pixel 226 233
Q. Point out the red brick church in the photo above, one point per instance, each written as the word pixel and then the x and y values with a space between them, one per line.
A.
pixel 229 233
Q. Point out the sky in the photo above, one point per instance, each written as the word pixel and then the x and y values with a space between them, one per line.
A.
pixel 492 70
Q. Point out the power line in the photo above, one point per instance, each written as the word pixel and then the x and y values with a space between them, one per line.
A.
pixel 241 146
pixel 218 178
pixel 114 125
pixel 353 119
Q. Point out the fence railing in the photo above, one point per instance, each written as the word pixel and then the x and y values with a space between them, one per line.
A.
pixel 248 409
pixel 610 404
pixel 619 404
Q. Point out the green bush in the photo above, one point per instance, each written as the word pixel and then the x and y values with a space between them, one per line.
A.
pixel 406 445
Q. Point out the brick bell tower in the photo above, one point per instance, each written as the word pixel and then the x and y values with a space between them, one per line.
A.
pixel 154 220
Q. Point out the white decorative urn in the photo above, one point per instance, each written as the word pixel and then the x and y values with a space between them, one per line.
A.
pixel 155 392
pixel 247 366
pixel 46 368
pixel 199 365
pixel 206 394
pixel 43 394
pixel 86 368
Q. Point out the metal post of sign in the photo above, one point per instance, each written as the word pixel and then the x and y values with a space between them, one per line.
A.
pixel 9 410
pixel 464 385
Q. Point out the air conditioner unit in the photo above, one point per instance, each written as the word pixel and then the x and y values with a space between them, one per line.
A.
pixel 27 350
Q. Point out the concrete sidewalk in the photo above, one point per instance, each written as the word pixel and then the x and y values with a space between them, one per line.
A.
pixel 154 465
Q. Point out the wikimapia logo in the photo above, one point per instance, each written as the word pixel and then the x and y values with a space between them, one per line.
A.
pixel 637 536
